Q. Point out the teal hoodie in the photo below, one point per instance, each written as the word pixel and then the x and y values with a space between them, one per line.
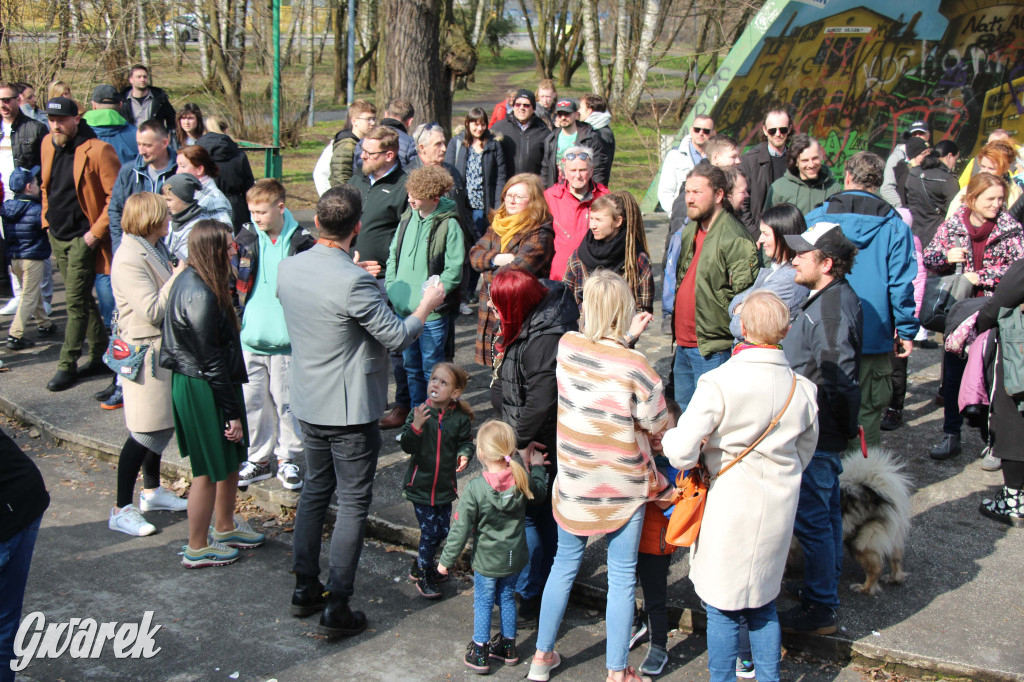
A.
pixel 263 327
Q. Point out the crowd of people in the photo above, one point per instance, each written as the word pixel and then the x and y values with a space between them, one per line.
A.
pixel 267 350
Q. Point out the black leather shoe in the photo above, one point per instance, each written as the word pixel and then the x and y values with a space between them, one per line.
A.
pixel 47 331
pixel 338 620
pixel 95 368
pixel 62 380
pixel 309 596
pixel 106 392
pixel 19 343
pixel 948 448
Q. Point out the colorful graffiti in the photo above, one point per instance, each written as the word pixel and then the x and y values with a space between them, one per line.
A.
pixel 856 73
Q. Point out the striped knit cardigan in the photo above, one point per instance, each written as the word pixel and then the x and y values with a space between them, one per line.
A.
pixel 610 400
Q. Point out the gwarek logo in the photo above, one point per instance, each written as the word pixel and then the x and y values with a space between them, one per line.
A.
pixel 82 638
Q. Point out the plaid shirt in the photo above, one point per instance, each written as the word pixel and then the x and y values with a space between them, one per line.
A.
pixel 213 200
pixel 532 249
pixel 576 275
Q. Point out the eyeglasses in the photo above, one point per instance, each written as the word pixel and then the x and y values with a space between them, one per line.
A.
pixel 784 130
pixel 706 131
pixel 366 153
pixel 522 105
pixel 516 198
pixel 8 100
pixel 367 118
pixel 572 156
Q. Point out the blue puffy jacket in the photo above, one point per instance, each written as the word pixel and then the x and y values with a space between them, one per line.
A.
pixel 23 228
pixel 131 179
pixel 111 127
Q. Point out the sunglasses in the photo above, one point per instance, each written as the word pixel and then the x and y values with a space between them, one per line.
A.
pixel 706 131
pixel 784 130
pixel 8 100
pixel 572 156
pixel 522 105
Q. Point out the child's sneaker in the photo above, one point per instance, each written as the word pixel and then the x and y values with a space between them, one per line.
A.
pixel 427 589
pixel 639 632
pixel 252 472
pixel 504 649
pixel 161 499
pixel 288 474
pixel 655 661
pixel 130 522
pixel 241 536
pixel 414 573
pixel 214 554
pixel 478 658
pixel 745 669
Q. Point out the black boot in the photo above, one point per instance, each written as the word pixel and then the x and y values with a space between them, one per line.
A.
pixel 338 620
pixel 106 392
pixel 309 596
pixel 948 448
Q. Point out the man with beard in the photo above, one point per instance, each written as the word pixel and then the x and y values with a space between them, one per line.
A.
pixel 807 182
pixel 570 132
pixel 381 185
pixel 824 345
pixel 522 136
pixel 718 260
pixel 78 175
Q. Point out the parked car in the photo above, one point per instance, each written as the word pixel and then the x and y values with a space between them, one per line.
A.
pixel 186 26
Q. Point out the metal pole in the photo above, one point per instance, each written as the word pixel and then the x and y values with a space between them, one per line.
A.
pixel 276 93
pixel 350 93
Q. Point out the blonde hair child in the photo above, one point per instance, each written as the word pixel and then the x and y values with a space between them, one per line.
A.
pixel 493 507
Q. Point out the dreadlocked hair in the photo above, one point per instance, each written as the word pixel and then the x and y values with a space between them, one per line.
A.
pixel 623 205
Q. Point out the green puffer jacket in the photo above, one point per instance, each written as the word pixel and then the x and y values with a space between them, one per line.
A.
pixel 728 265
pixel 806 195
pixel 499 519
pixel 430 478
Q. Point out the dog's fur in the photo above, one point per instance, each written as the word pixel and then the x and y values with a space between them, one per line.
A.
pixel 875 499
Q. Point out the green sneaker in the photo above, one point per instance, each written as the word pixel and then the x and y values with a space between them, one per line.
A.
pixel 215 554
pixel 242 537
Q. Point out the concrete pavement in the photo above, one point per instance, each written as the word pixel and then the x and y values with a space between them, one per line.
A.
pixel 959 612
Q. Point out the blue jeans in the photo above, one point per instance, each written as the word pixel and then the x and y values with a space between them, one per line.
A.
pixel 723 642
pixel 819 528
pixel 622 550
pixel 487 592
pixel 15 559
pixel 105 298
pixel 419 358
pixel 541 542
pixel 342 458
pixel 690 365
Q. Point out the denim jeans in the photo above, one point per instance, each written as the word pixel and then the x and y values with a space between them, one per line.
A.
pixel 622 550
pixel 105 298
pixel 688 366
pixel 15 559
pixel 541 543
pixel 723 642
pixel 486 593
pixel 419 358
pixel 819 528
pixel 342 458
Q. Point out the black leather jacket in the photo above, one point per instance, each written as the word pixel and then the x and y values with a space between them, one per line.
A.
pixel 26 137
pixel 201 342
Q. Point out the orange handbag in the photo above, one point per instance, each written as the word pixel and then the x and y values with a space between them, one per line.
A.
pixel 684 526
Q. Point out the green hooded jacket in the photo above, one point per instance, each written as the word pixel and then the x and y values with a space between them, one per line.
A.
pixel 804 194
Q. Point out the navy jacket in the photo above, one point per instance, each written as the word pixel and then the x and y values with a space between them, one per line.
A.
pixel 132 179
pixel 23 228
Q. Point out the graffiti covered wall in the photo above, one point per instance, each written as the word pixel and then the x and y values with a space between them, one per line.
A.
pixel 855 73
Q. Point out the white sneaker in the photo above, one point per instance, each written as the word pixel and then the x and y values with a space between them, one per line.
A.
pixel 922 334
pixel 161 499
pixel 11 307
pixel 464 309
pixel 130 522
pixel 47 308
pixel 288 474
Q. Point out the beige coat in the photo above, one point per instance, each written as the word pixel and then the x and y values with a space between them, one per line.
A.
pixel 738 559
pixel 141 285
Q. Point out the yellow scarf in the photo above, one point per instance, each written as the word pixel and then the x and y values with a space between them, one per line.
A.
pixel 506 228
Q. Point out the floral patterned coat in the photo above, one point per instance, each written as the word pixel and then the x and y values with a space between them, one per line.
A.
pixel 1005 246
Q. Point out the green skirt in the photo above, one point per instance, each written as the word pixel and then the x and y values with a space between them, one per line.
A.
pixel 199 426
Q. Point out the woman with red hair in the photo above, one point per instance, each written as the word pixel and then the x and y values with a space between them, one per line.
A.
pixel 534 314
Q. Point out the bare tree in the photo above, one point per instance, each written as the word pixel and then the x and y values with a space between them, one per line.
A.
pixel 621 50
pixel 552 34
pixel 204 42
pixel 592 47
pixel 642 62
pixel 140 22
pixel 310 59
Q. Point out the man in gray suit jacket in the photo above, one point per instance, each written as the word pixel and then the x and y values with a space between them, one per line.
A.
pixel 341 331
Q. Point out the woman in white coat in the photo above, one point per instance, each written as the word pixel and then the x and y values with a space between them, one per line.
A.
pixel 737 562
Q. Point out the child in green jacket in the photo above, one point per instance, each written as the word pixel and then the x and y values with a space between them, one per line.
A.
pixel 494 507
pixel 439 436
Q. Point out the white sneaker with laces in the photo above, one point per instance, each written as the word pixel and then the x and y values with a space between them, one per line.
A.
pixel 130 521
pixel 161 499
pixel 288 474
pixel 464 309
pixel 11 307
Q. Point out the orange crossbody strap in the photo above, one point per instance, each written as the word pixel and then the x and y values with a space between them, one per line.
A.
pixel 771 426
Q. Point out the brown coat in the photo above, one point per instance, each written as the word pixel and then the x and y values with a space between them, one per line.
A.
pixel 141 286
pixel 96 167
pixel 533 250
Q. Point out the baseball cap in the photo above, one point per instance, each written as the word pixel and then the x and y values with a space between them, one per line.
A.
pixel 566 106
pixel 825 237
pixel 105 94
pixel 20 177
pixel 61 106
pixel 919 127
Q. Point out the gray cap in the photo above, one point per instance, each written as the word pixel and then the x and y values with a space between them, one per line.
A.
pixel 184 186
pixel 105 94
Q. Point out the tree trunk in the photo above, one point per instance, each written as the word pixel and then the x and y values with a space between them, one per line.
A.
pixel 310 60
pixel 478 23
pixel 239 12
pixel 592 47
pixel 297 9
pixel 340 49
pixel 140 19
pixel 638 77
pixel 413 69
pixel 204 41
pixel 621 50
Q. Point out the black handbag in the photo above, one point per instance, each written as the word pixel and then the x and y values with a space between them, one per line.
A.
pixel 940 295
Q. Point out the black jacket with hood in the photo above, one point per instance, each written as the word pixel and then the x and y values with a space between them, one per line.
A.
pixel 161 111
pixel 524 149
pixel 235 177
pixel 928 196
